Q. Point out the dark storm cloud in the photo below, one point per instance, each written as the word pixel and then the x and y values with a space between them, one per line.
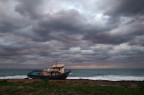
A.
pixel 61 23
pixel 29 8
pixel 39 32
pixel 121 34
pixel 137 41
pixel 9 21
pixel 68 22
pixel 6 25
pixel 125 7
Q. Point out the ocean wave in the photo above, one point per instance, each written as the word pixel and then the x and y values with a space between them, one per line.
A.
pixel 14 77
pixel 112 78
pixel 101 77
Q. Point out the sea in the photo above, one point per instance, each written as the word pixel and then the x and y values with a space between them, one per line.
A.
pixel 90 74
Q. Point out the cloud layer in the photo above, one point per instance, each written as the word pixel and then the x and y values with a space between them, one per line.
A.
pixel 98 33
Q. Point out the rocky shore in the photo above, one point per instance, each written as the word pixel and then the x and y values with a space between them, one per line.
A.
pixel 70 87
pixel 127 84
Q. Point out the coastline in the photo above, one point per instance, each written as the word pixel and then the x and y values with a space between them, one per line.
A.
pixel 70 87
pixel 85 82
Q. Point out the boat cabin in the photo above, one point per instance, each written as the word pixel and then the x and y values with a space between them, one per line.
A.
pixel 54 70
pixel 58 67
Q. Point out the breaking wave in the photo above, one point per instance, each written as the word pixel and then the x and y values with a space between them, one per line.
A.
pixel 112 78
pixel 101 77
pixel 14 77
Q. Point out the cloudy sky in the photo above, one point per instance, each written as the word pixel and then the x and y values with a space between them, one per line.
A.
pixel 78 33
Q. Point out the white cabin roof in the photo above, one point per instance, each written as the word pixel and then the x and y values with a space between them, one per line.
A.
pixel 58 66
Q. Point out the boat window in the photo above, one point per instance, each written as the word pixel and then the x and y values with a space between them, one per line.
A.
pixel 55 73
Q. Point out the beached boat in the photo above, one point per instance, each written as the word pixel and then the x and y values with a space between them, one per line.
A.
pixel 56 72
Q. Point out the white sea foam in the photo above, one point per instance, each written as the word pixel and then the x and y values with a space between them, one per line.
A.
pixel 14 77
pixel 112 78
pixel 102 77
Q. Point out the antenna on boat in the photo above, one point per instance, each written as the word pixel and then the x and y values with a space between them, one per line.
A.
pixel 56 63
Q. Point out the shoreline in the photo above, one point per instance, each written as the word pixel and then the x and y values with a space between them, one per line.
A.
pixel 70 87
pixel 85 82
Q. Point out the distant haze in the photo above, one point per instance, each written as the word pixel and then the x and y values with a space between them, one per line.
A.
pixel 77 33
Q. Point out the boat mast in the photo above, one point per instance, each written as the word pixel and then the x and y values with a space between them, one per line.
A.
pixel 56 63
